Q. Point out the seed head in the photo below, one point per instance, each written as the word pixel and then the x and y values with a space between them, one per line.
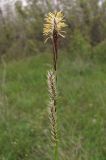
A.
pixel 54 23
pixel 52 105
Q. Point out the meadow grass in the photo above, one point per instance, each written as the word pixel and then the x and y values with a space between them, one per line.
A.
pixel 24 124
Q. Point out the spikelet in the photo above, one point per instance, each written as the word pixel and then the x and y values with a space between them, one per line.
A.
pixel 52 105
pixel 54 24
pixel 53 29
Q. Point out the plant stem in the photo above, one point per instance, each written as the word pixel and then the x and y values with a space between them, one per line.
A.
pixel 56 151
pixel 55 49
pixel 55 53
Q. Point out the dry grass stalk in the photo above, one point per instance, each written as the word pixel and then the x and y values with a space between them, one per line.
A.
pixel 53 29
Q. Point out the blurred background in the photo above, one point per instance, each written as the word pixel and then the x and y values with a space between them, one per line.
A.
pixel 24 61
pixel 21 25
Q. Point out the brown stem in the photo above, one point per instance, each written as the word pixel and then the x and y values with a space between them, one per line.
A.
pixel 54 57
pixel 55 49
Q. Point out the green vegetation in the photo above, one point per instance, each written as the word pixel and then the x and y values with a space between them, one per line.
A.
pixel 24 124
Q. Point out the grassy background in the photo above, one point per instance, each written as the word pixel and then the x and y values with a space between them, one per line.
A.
pixel 24 123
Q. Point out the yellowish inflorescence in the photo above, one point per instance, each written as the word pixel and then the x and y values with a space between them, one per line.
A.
pixel 54 22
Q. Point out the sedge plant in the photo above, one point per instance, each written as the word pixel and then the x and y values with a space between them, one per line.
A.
pixel 53 30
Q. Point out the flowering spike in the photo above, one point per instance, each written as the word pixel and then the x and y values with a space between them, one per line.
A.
pixel 54 22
